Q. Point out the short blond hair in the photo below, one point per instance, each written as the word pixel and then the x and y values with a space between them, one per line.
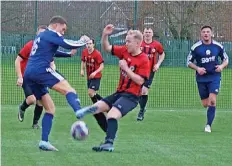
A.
pixel 136 34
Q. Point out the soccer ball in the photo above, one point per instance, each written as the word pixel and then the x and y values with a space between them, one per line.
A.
pixel 79 130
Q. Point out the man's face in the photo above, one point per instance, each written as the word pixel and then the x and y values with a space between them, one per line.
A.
pixel 206 34
pixel 61 28
pixel 148 34
pixel 131 43
pixel 90 45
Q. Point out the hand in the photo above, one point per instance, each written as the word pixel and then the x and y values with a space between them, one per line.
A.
pixel 92 75
pixel 73 52
pixel 84 38
pixel 19 81
pixel 201 70
pixel 156 67
pixel 219 68
pixel 108 29
pixel 123 65
pixel 82 73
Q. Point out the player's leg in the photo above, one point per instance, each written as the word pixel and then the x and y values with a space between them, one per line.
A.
pixel 29 100
pixel 144 96
pixel 47 123
pixel 213 91
pixel 71 96
pixel 41 94
pixel 101 106
pixel 120 108
pixel 203 90
pixel 56 81
pixel 37 114
pixel 93 87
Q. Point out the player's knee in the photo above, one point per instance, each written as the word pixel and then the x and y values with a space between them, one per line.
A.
pixel 68 90
pixel 114 113
pixel 31 100
pixel 91 92
pixel 144 91
pixel 212 102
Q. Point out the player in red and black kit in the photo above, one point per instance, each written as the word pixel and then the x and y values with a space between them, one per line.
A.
pixel 134 70
pixel 152 49
pixel 92 60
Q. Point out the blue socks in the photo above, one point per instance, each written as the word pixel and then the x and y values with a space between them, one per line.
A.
pixel 73 101
pixel 210 114
pixel 111 130
pixel 46 126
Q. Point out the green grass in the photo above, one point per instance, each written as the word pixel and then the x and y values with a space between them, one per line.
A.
pixel 173 87
pixel 166 137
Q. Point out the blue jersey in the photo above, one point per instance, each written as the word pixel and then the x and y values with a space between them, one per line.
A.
pixel 207 56
pixel 45 47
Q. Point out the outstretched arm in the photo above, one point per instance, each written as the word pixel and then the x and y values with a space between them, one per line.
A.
pixel 105 38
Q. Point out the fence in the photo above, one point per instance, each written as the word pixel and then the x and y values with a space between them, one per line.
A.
pixel 176 26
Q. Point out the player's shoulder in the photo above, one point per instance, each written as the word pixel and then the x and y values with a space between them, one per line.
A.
pixel 49 32
pixel 143 58
pixel 29 43
pixel 97 52
pixel 122 48
pixel 195 45
pixel 217 44
pixel 156 42
pixel 84 51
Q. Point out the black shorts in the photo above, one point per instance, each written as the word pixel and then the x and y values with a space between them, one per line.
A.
pixel 125 102
pixel 94 83
pixel 27 90
pixel 148 82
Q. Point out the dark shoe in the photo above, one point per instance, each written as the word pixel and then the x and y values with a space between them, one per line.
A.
pixel 141 115
pixel 108 147
pixel 20 114
pixel 36 126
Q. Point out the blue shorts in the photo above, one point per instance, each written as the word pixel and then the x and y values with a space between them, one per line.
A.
pixel 124 102
pixel 148 82
pixel 40 80
pixel 205 88
pixel 94 83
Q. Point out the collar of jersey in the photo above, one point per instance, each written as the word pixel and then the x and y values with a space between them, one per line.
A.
pixel 54 31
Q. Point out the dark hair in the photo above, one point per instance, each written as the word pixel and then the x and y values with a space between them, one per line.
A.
pixel 147 27
pixel 42 27
pixel 93 40
pixel 206 26
pixel 58 19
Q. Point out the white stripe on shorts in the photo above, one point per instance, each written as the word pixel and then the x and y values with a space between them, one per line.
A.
pixel 54 73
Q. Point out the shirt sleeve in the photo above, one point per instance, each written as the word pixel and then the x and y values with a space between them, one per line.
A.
pixel 160 49
pixel 99 58
pixel 191 57
pixel 223 55
pixel 65 43
pixel 144 69
pixel 62 54
pixel 83 56
pixel 26 50
pixel 118 51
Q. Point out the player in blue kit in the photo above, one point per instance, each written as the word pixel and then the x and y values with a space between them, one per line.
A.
pixel 206 54
pixel 39 75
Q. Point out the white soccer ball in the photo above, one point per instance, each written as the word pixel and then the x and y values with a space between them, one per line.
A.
pixel 79 130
